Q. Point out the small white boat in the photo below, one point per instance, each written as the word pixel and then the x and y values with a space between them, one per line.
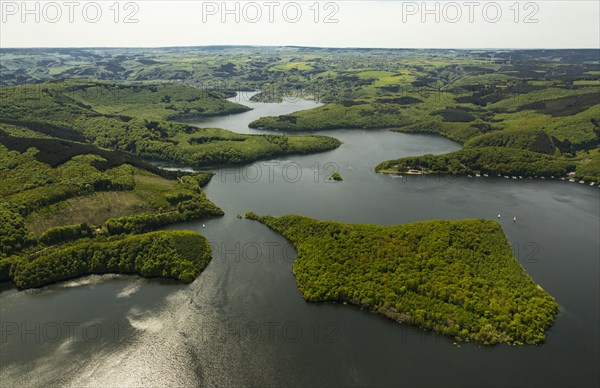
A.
pixel 499 216
pixel 514 219
pixel 204 226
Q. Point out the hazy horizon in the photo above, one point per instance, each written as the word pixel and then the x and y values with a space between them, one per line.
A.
pixel 300 47
pixel 485 25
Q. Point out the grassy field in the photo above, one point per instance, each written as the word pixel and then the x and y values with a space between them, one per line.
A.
pixel 94 209
pixel 150 194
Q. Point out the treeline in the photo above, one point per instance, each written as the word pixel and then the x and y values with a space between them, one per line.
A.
pixel 231 148
pixel 195 208
pixel 56 151
pixel 30 185
pixel 177 255
pixel 458 278
pixel 66 233
pixel 167 101
pixel 191 207
pixel 196 181
pixel 336 116
pixel 535 140
pixel 13 233
pixel 588 167
pixel 489 160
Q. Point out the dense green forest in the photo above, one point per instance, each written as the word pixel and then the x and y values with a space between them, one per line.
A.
pixel 458 278
pixel 179 255
pixel 14 235
pixel 88 215
pixel 84 112
pixel 585 166
pixel 483 160
pixel 165 101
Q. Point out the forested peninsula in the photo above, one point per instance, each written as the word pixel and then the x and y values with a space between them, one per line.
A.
pixel 458 278
pixel 92 214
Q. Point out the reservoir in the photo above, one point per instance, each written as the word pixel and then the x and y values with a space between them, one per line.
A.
pixel 243 322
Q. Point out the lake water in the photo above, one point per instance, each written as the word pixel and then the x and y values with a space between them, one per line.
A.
pixel 243 322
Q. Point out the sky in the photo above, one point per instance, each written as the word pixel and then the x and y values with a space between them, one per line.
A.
pixel 346 23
